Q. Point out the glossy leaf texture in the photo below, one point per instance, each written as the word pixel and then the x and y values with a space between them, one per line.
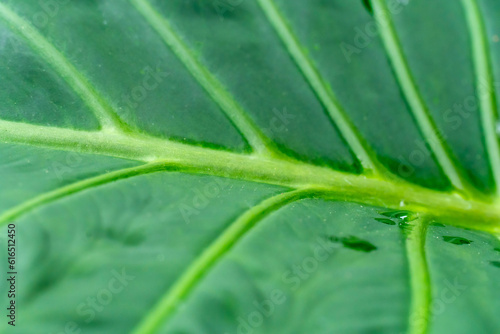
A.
pixel 250 166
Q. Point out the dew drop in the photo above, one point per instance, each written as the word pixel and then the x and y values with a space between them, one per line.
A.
pixel 401 214
pixel 368 6
pixel 354 243
pixel 358 244
pixel 405 228
pixel 495 263
pixel 385 221
pixel 333 238
pixel 457 240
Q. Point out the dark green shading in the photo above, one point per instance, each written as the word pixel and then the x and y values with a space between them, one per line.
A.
pixel 368 6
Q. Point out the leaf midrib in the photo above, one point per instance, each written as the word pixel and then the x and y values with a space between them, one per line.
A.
pixel 254 167
pixel 162 155
pixel 251 132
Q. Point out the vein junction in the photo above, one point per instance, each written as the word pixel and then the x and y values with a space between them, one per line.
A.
pixel 264 165
pixel 294 174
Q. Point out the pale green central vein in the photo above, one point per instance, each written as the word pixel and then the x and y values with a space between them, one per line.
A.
pixel 323 92
pixel 102 110
pixel 454 209
pixel 485 85
pixel 415 100
pixel 257 140
pixel 419 275
pixel 179 291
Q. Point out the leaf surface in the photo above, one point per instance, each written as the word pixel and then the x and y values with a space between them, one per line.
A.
pixel 263 166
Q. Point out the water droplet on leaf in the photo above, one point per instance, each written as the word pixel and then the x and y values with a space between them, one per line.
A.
pixel 457 240
pixel 495 263
pixel 400 214
pixel 358 244
pixel 333 238
pixel 385 221
pixel 354 243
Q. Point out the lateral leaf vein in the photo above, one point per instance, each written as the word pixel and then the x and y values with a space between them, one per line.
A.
pixel 485 85
pixel 415 100
pixel 105 114
pixel 199 268
pixel 257 140
pixel 321 89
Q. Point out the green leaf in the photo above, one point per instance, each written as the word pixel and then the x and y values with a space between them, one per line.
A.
pixel 237 166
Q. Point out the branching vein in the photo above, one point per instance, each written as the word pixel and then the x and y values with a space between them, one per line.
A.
pixel 413 96
pixel 288 173
pixel 101 109
pixel 257 140
pixel 303 179
pixel 485 85
pixel 323 92
pixel 205 262
pixel 65 191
